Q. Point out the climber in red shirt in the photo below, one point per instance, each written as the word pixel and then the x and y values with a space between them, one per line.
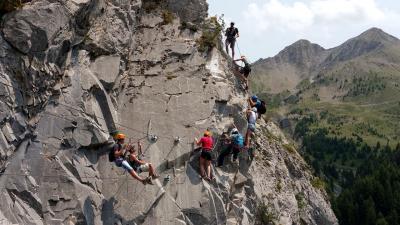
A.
pixel 206 143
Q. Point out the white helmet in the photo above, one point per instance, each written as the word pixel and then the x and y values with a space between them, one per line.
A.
pixel 234 131
pixel 254 109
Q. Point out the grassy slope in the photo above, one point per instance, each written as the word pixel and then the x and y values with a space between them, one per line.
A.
pixel 362 98
pixel 371 123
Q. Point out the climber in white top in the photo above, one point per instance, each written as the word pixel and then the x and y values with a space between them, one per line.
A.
pixel 251 115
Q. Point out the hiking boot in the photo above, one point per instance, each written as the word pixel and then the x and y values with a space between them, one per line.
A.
pixel 149 180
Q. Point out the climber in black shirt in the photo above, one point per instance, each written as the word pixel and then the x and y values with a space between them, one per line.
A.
pixel 231 34
pixel 244 70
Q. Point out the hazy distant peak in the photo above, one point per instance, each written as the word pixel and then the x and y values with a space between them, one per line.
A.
pixel 304 44
pixel 376 34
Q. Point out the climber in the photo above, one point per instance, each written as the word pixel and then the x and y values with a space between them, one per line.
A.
pixel 117 155
pixel 206 143
pixel 233 144
pixel 251 115
pixel 139 165
pixel 254 101
pixel 244 70
pixel 231 34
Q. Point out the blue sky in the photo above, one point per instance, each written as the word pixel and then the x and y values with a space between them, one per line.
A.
pixel 267 26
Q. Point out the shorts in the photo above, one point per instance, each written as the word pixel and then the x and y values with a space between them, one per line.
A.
pixel 143 168
pixel 206 155
pixel 230 42
pixel 244 71
pixel 251 127
pixel 124 164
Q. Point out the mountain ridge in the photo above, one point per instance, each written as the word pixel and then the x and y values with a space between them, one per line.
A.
pixel 303 59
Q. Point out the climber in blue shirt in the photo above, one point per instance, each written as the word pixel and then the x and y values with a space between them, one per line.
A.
pixel 234 144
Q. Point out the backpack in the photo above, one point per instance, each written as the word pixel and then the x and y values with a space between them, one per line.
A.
pixel 111 155
pixel 261 109
pixel 238 140
pixel 247 68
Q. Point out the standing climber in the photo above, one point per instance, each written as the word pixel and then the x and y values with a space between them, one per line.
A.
pixel 244 70
pixel 254 101
pixel 234 145
pixel 251 115
pixel 140 165
pixel 117 155
pixel 206 143
pixel 231 34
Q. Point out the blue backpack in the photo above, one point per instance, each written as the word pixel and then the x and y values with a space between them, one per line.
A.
pixel 238 140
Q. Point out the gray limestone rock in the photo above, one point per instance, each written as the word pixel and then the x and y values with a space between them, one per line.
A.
pixel 189 10
pixel 96 67
pixel 106 68
pixel 33 28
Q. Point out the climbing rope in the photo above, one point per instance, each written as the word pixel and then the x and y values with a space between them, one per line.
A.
pixel 237 45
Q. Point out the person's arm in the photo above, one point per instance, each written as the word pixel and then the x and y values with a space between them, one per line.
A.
pixel 197 142
pixel 133 158
pixel 140 153
pixel 251 103
pixel 237 33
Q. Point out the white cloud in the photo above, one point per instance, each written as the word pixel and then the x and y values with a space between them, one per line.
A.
pixel 274 13
pixel 301 15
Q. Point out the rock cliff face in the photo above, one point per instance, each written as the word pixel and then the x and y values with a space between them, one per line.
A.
pixel 74 71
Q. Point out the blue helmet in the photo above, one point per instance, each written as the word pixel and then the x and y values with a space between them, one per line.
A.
pixel 254 98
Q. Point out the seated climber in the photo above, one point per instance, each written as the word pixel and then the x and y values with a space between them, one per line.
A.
pixel 206 143
pixel 140 165
pixel 251 115
pixel 244 70
pixel 117 155
pixel 234 145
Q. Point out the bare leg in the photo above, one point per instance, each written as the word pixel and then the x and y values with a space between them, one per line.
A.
pixel 247 141
pixel 202 170
pixel 208 165
pixel 152 172
pixel 227 47
pixel 134 175
pixel 233 51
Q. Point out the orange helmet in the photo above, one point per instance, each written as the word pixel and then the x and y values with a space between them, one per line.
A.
pixel 120 136
pixel 207 133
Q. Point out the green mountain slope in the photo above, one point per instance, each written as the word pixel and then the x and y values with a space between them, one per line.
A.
pixel 357 81
pixel 344 107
